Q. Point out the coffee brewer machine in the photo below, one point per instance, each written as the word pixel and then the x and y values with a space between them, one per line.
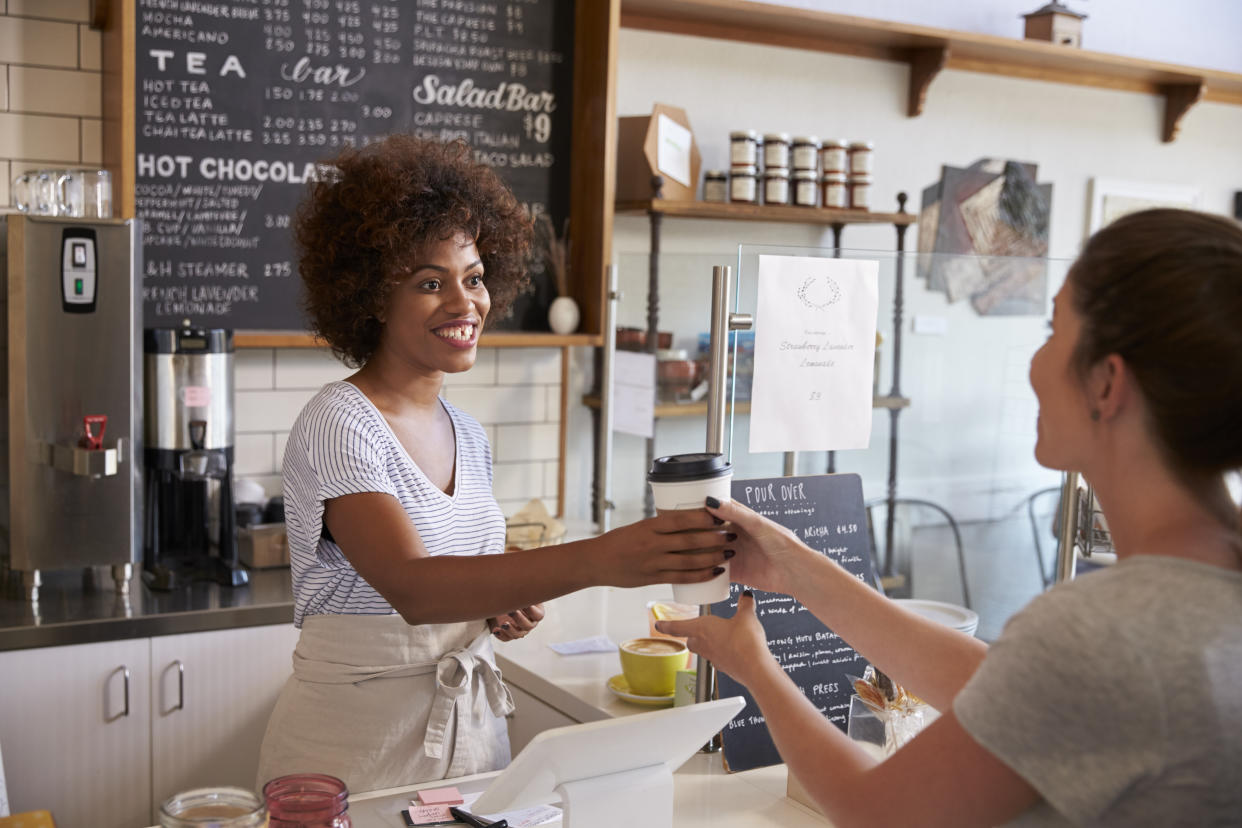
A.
pixel 70 475
pixel 190 532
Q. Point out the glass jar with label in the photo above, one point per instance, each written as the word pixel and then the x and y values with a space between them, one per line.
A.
pixel 806 153
pixel 743 148
pixel 835 192
pixel 715 186
pixel 860 192
pixel 776 150
pixel 860 158
pixel 806 188
pixel 775 185
pixel 744 184
pixel 833 156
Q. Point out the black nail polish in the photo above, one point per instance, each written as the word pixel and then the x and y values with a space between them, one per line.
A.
pixel 504 626
pixel 729 553
pixel 748 593
pixel 713 502
pixel 731 536
pixel 718 570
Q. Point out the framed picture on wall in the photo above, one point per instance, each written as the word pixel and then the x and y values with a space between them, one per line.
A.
pixel 1112 198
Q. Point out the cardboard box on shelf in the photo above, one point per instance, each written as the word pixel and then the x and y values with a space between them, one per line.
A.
pixel 263 545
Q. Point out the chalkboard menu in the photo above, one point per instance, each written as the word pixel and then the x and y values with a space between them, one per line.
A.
pixel 827 514
pixel 238 101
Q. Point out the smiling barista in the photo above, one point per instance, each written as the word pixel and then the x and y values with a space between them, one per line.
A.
pixel 393 529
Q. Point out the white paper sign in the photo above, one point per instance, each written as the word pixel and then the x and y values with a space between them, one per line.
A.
pixel 633 393
pixel 673 150
pixel 814 354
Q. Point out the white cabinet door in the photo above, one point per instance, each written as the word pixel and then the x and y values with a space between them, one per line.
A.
pixel 211 695
pixel 531 716
pixel 76 738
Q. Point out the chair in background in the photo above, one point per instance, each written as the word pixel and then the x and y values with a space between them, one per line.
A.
pixel 894 567
pixel 1047 522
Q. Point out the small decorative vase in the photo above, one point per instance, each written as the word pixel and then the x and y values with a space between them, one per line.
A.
pixel 563 315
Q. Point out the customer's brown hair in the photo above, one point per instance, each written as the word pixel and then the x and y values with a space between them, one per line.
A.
pixel 374 208
pixel 1163 289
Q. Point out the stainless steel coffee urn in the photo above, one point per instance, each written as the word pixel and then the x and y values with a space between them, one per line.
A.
pixel 191 532
pixel 70 461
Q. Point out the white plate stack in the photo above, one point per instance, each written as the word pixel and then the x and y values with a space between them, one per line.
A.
pixel 951 615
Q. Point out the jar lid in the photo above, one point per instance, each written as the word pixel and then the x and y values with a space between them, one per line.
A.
pixel 776 172
pixel 835 177
pixel 857 145
pixel 836 143
pixel 745 169
pixel 744 133
pixel 680 467
pixel 664 354
pixel 807 140
pixel 805 175
pixel 776 138
pixel 715 174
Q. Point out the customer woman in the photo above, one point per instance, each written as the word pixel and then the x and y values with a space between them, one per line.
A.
pixel 405 250
pixel 1111 700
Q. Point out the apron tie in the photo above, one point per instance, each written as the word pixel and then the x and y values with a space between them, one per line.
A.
pixel 455 689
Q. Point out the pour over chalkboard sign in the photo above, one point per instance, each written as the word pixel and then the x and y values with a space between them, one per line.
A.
pixel 827 513
pixel 238 101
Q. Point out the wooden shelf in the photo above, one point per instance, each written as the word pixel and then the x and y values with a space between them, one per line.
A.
pixel 927 51
pixel 503 339
pixel 761 212
pixel 699 409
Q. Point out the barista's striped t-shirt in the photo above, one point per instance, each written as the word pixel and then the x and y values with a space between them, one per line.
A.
pixel 341 444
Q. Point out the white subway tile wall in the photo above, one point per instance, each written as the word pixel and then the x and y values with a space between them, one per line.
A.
pixel 50 88
pixel 520 417
pixel 51 115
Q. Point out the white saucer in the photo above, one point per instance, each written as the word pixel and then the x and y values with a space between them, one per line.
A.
pixel 951 615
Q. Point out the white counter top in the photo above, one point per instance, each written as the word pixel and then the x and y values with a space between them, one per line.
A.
pixel 704 794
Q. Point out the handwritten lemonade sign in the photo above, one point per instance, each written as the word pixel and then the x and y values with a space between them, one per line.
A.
pixel 814 354
pixel 238 102
pixel 827 513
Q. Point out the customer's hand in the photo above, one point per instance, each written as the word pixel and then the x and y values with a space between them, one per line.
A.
pixel 686 546
pixel 767 553
pixel 516 624
pixel 735 645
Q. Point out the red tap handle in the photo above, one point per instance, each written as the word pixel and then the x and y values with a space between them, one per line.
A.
pixel 91 438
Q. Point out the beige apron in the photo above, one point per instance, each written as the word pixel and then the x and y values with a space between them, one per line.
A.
pixel 380 703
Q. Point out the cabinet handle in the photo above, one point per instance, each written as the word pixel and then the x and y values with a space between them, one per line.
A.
pixel 124 671
pixel 180 685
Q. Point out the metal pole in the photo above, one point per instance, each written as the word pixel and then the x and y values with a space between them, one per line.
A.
pixel 1070 498
pixel 603 460
pixel 723 321
pixel 791 464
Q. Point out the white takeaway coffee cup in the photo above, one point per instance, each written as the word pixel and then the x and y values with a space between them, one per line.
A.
pixel 685 481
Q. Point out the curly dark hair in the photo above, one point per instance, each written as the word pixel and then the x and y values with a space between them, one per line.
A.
pixel 374 208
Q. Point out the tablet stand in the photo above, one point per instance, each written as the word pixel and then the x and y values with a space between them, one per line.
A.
pixel 643 796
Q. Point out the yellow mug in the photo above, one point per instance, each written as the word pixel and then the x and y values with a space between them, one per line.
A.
pixel 650 665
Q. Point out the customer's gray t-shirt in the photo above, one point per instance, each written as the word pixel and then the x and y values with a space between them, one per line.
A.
pixel 1118 696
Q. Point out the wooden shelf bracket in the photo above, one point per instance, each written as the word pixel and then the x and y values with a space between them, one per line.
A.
pixel 925 64
pixel 1178 99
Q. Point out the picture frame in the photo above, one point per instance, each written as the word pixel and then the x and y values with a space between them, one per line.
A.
pixel 1111 198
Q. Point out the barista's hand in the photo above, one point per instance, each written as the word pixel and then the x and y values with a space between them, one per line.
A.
pixel 516 624
pixel 735 645
pixel 678 547
pixel 767 553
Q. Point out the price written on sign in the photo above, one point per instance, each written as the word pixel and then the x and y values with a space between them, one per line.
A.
pixel 239 104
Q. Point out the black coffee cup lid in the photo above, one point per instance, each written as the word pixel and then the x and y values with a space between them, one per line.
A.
pixel 677 468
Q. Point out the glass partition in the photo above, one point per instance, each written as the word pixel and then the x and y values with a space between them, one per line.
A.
pixel 968 510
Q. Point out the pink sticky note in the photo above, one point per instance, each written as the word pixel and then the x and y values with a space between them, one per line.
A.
pixel 440 796
pixel 430 814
